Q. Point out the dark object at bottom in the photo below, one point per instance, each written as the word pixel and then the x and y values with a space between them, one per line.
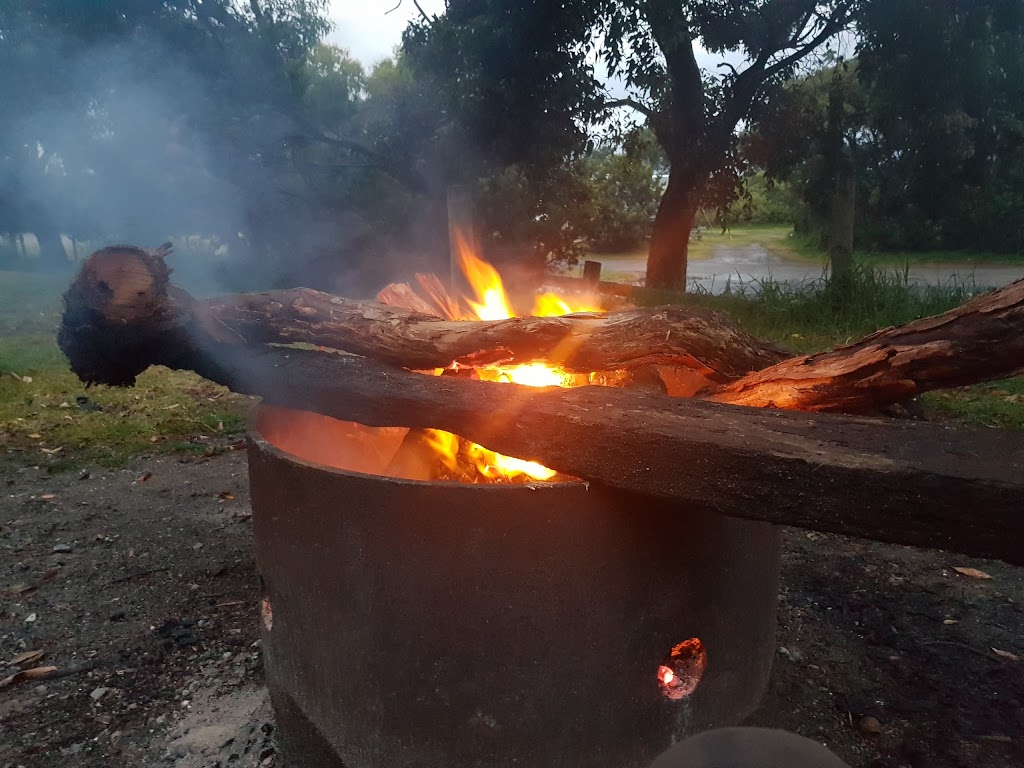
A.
pixel 748 748
pixel 417 625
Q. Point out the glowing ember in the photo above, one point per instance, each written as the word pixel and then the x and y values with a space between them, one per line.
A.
pixel 681 672
pixel 492 303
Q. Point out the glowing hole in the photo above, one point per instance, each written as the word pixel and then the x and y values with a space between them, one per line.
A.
pixel 681 671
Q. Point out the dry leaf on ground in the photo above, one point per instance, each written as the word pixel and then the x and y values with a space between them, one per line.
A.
pixel 971 573
pixel 27 657
pixel 1006 655
pixel 36 673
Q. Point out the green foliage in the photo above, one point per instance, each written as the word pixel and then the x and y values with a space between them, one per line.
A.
pixel 136 121
pixel 517 85
pixel 761 201
pixel 932 119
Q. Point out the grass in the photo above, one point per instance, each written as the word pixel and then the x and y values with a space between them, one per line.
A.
pixel 48 417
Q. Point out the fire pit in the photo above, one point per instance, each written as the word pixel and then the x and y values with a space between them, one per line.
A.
pixel 410 623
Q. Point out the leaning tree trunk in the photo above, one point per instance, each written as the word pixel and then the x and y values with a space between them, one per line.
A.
pixel 670 241
pixel 51 247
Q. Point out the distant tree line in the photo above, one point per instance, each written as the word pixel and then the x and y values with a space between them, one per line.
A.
pixel 928 121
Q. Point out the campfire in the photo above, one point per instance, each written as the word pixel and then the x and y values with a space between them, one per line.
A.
pixel 503 620
pixel 456 457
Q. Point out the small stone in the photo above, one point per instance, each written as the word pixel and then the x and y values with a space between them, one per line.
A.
pixel 869 726
pixel 61 548
pixel 792 654
pixel 98 693
pixel 40 689
pixel 85 474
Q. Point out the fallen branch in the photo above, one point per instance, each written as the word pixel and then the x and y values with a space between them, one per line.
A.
pixel 980 341
pixel 125 287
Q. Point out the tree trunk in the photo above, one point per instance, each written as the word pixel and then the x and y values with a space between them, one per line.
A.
pixel 51 248
pixel 840 248
pixel 670 241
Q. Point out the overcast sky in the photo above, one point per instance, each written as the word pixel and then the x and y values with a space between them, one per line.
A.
pixel 371 29
pixel 367 28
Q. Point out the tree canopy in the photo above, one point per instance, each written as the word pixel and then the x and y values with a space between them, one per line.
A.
pixel 522 77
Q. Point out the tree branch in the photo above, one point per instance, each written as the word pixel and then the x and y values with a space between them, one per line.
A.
pixel 428 19
pixel 408 177
pixel 643 109
pixel 833 25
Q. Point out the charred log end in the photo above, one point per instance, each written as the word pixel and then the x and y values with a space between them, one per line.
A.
pixel 117 313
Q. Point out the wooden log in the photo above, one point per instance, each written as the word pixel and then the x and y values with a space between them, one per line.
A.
pixel 692 338
pixel 982 340
pixel 894 481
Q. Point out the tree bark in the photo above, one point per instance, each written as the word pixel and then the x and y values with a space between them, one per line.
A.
pixel 982 340
pixel 670 240
pixel 841 229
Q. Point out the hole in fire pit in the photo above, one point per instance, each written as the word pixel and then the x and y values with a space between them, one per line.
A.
pixel 681 671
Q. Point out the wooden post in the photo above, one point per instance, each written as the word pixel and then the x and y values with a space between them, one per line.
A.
pixel 592 273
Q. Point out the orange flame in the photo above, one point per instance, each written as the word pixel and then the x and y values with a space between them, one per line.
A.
pixel 492 303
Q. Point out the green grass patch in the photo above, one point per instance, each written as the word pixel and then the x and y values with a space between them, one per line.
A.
pixel 996 404
pixel 816 316
pixel 624 265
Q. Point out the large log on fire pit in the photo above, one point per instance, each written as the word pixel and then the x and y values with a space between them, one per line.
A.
pixel 902 482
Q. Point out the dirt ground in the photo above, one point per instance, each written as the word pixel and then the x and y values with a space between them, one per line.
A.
pixel 139 586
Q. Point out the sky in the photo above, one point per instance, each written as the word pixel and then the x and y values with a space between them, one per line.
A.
pixel 370 29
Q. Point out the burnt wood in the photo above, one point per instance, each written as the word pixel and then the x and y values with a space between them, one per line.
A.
pixel 129 286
